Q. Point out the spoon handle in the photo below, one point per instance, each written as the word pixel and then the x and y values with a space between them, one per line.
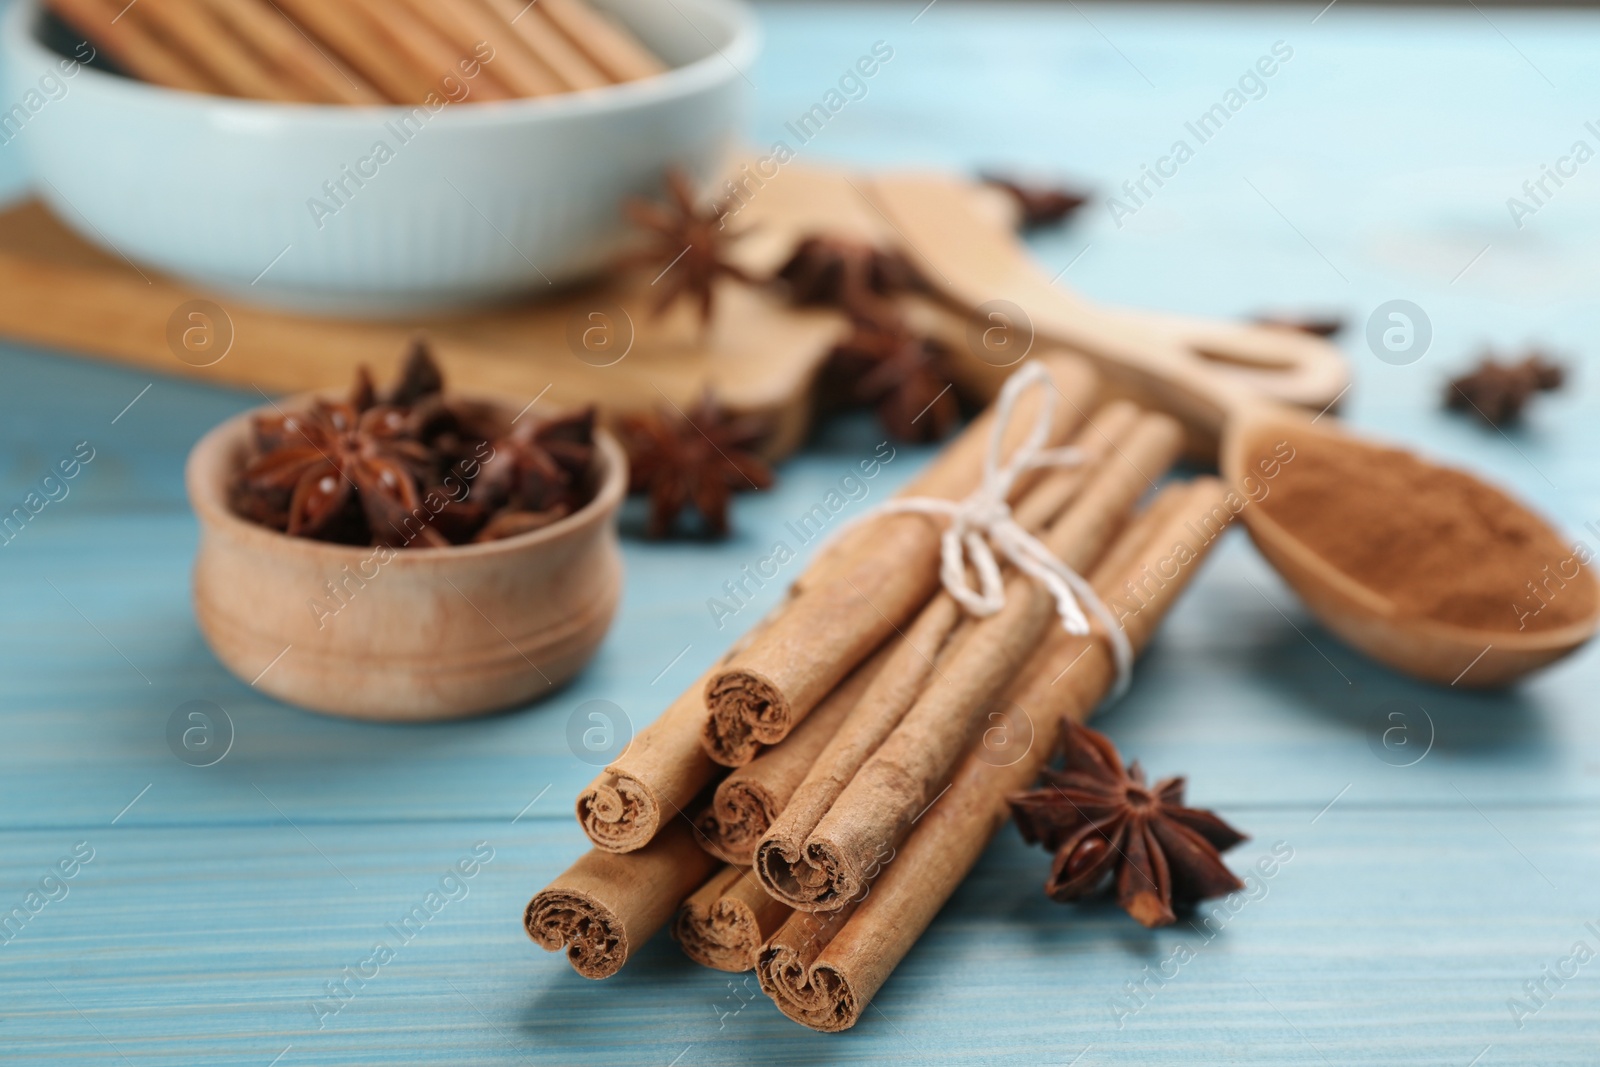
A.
pixel 1204 373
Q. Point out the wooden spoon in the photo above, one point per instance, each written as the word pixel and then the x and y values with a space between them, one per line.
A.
pixel 778 210
pixel 960 237
pixel 968 262
pixel 1278 361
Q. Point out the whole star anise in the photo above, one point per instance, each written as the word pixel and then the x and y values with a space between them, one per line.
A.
pixel 1105 824
pixel 900 373
pixel 348 476
pixel 541 463
pixel 1498 392
pixel 689 247
pixel 412 468
pixel 697 459
pixel 834 271
pixel 420 377
pixel 1038 205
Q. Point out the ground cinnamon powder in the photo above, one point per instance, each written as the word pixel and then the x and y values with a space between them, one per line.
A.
pixel 1437 542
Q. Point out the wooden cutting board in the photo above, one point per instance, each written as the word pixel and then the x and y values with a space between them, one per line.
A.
pixel 598 343
pixel 595 344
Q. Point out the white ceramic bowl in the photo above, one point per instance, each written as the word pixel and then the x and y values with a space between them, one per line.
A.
pixel 484 200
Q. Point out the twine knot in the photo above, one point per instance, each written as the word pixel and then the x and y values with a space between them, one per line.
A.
pixel 983 525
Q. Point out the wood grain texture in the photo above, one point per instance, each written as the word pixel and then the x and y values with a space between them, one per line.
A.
pixel 1414 906
pixel 759 355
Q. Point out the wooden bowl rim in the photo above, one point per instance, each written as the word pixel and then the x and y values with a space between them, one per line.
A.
pixel 206 475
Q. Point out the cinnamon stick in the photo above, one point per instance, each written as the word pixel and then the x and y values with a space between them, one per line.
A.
pixel 210 45
pixel 654 779
pixel 284 45
pixel 465 28
pixel 347 33
pixel 747 800
pixel 666 766
pixel 429 56
pixel 515 63
pixel 727 920
pixel 609 44
pixel 925 648
pixel 133 46
pixel 823 969
pixel 572 68
pixel 605 906
pixel 895 785
pixel 888 571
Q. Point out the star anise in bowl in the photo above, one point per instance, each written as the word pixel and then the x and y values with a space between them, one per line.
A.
pixel 694 460
pixel 1106 826
pixel 411 467
pixel 339 475
pixel 687 250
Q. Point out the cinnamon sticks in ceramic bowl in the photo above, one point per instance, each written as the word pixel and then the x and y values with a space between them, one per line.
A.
pixel 851 816
pixel 380 158
pixel 364 51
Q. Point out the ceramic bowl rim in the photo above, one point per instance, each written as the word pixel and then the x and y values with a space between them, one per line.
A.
pixel 206 474
pixel 676 83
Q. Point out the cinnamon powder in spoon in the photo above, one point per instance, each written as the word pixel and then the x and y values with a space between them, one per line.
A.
pixel 1437 542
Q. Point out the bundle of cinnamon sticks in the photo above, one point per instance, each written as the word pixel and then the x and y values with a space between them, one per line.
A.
pixel 874 726
pixel 364 51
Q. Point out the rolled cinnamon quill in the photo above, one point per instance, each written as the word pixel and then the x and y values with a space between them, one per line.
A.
pixel 434 63
pixel 133 46
pixel 864 591
pixel 294 56
pixel 917 656
pixel 611 46
pixel 212 46
pixel 748 799
pixel 346 31
pixel 605 906
pixel 514 63
pixel 667 766
pixel 654 779
pixel 826 868
pixel 726 921
pixel 571 67
pixel 823 969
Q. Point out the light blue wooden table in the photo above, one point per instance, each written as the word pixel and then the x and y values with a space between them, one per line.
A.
pixel 221 901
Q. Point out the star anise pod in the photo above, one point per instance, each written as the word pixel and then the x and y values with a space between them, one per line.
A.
pixel 841 272
pixel 412 468
pixel 899 372
pixel 1039 205
pixel 1315 325
pixel 1105 824
pixel 1498 392
pixel 689 247
pixel 541 464
pixel 420 377
pixel 349 477
pixel 696 460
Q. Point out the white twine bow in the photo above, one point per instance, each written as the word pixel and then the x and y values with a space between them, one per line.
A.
pixel 983 522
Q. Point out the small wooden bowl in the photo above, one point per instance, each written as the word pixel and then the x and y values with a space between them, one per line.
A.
pixel 429 634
